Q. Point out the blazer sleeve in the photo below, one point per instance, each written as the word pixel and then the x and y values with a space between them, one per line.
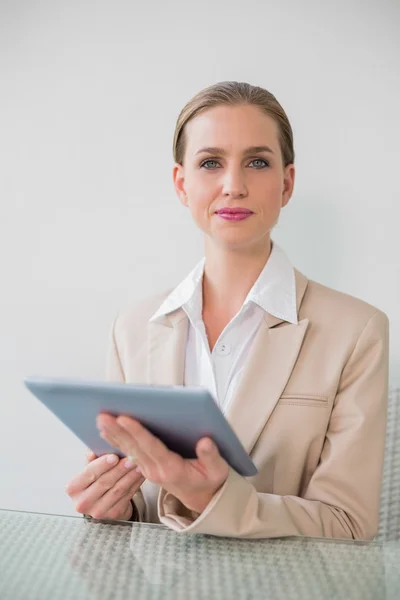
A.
pixel 115 372
pixel 343 494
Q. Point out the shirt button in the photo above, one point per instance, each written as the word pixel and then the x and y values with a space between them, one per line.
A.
pixel 223 349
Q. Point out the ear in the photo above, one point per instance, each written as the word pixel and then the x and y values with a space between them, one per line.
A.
pixel 288 184
pixel 179 183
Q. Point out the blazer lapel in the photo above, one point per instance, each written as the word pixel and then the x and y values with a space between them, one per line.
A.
pixel 268 368
pixel 267 371
pixel 167 348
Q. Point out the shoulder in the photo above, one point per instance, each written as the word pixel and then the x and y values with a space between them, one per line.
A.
pixel 135 317
pixel 325 305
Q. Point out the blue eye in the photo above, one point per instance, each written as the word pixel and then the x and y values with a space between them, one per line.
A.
pixel 261 160
pixel 215 164
pixel 208 161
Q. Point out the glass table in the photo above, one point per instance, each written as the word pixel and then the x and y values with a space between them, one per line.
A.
pixel 51 557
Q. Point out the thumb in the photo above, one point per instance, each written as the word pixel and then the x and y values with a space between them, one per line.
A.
pixel 207 451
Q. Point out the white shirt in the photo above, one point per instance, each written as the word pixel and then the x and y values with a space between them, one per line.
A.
pixel 219 371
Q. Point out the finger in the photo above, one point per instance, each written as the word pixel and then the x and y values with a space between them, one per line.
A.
pixel 112 431
pixel 121 510
pixel 114 434
pixel 91 503
pixel 87 498
pixel 90 456
pixel 91 473
pixel 148 446
pixel 125 489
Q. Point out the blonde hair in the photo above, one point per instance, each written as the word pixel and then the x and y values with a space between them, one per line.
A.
pixel 233 93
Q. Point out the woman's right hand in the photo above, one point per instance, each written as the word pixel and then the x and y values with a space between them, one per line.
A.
pixel 104 489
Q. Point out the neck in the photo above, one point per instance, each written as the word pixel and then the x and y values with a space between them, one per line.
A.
pixel 229 275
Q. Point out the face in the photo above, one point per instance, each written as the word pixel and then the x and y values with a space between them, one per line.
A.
pixel 233 179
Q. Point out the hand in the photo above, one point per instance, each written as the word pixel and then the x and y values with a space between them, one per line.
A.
pixel 105 487
pixel 193 481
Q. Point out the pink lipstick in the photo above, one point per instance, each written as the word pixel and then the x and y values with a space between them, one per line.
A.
pixel 234 214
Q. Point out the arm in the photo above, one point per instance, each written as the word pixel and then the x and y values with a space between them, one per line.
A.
pixel 342 497
pixel 115 372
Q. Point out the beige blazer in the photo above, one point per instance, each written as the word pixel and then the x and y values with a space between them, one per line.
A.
pixel 310 410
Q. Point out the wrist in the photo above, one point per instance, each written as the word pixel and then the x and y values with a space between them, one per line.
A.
pixel 199 502
pixel 132 514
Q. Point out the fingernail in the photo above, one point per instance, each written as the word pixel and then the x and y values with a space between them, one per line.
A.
pixel 129 463
pixel 112 459
pixel 138 470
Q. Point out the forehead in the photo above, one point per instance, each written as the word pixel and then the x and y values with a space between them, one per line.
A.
pixel 231 128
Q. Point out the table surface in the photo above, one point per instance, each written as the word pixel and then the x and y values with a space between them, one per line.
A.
pixel 61 557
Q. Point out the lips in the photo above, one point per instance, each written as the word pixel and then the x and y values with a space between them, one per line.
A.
pixel 234 211
pixel 234 215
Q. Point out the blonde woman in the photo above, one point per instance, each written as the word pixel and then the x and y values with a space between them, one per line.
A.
pixel 299 370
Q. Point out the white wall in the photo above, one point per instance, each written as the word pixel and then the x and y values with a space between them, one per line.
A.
pixel 89 220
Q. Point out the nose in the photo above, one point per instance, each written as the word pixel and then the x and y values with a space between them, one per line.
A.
pixel 234 184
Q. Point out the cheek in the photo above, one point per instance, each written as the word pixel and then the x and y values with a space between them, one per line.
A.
pixel 270 192
pixel 272 185
pixel 199 206
pixel 200 209
pixel 200 196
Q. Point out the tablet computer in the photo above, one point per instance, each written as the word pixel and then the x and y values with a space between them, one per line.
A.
pixel 177 415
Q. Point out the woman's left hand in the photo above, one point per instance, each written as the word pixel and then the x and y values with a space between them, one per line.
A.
pixel 193 481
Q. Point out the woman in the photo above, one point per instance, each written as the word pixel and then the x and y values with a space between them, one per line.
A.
pixel 299 370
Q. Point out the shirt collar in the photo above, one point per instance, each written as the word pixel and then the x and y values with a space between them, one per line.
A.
pixel 274 291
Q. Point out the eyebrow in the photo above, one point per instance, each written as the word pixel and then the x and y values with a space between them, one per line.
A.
pixel 247 151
